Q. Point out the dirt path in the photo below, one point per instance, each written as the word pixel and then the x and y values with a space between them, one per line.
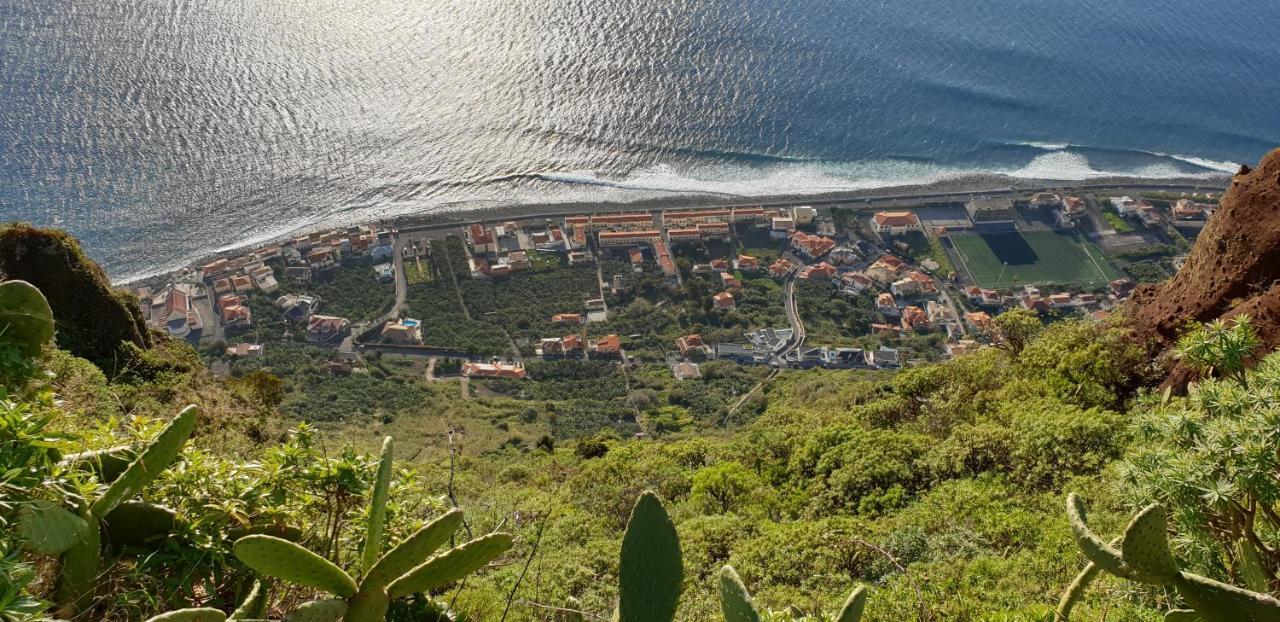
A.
pixel 465 385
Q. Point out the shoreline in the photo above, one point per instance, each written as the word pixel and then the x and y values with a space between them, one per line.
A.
pixel 913 195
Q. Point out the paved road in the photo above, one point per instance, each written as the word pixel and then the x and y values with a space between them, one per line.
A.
pixel 793 317
pixel 851 200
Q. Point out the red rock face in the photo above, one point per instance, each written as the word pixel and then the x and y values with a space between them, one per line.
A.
pixel 1234 268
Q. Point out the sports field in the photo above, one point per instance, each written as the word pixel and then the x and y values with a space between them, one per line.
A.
pixel 1002 260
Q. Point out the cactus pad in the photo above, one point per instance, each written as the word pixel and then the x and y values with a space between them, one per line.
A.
pixel 1219 602
pixel 282 559
pixel 25 318
pixel 413 550
pixel 151 462
pixel 651 572
pixel 106 464
pixel 451 566
pixel 318 611
pixel 1076 590
pixel 254 605
pixel 1145 548
pixel 50 529
pixel 735 601
pixel 1104 555
pixel 853 606
pixel 134 523
pixel 377 509
pixel 202 614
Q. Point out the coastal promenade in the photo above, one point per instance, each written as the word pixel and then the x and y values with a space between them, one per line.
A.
pixel 853 200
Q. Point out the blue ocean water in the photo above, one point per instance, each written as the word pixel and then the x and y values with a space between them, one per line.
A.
pixel 158 130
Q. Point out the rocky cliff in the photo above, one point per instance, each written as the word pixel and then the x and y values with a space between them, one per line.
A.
pixel 1234 268
pixel 93 320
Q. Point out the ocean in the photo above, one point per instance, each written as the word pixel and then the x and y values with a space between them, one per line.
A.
pixel 161 130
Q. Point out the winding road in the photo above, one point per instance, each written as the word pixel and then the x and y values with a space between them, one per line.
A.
pixel 793 318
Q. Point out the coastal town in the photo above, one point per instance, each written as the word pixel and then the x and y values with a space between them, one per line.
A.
pixel 943 270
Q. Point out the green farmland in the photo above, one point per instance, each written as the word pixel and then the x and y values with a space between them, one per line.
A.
pixel 1002 260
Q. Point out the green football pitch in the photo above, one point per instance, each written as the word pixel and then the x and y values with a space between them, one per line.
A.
pixel 1002 260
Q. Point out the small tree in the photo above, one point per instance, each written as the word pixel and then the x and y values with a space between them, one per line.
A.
pixel 1018 327
pixel 1218 348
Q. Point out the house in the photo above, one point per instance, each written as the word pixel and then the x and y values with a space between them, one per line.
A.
pixel 482 239
pixel 1073 207
pixel 685 370
pixel 781 268
pixel 519 260
pixel 594 303
pixel 938 313
pixel 886 304
pixel 265 279
pixel 994 214
pixel 244 350
pixel 1037 304
pixel 723 300
pixel 222 286
pixel 568 318
pixel 927 285
pixel 1186 209
pixel 578 257
pixel 856 282
pixel 1121 288
pixel 1125 206
pixel 234 313
pixel 295 308
pixel 804 214
pixel 720 265
pixel 569 344
pixel 807 358
pixel 298 273
pixel 981 296
pixel 962 347
pixel 500 269
pixel 405 331
pixel 1060 301
pixel 729 281
pixel 691 344
pixel 906 288
pixel 980 321
pixel 385 272
pixel 811 246
pixel 781 227
pixel 493 370
pixel 747 263
pixel 821 270
pixel 914 318
pixel 665 261
pixel 884 357
pixel 635 256
pixel 895 223
pixel 748 214
pixel 241 283
pixel 479 266
pixel 609 345
pixel 1045 201
pixel 327 328
pixel 848 357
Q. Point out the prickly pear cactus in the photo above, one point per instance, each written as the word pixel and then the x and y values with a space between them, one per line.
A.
pixel 50 529
pixel 735 600
pixel 450 566
pixel 282 559
pixel 1144 556
pixel 25 318
pixel 377 509
pixel 202 614
pixel 651 572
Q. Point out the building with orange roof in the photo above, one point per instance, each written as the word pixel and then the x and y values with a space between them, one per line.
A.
pixel 747 263
pixel 729 281
pixel 821 270
pixel 895 223
pixel 608 345
pixel 811 246
pixel 629 238
pixel 690 343
pixel 493 370
pixel 568 318
pixel 723 300
pixel 781 268
pixel 914 318
pixel 980 321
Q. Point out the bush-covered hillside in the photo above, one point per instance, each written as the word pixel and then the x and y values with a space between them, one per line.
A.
pixel 940 487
